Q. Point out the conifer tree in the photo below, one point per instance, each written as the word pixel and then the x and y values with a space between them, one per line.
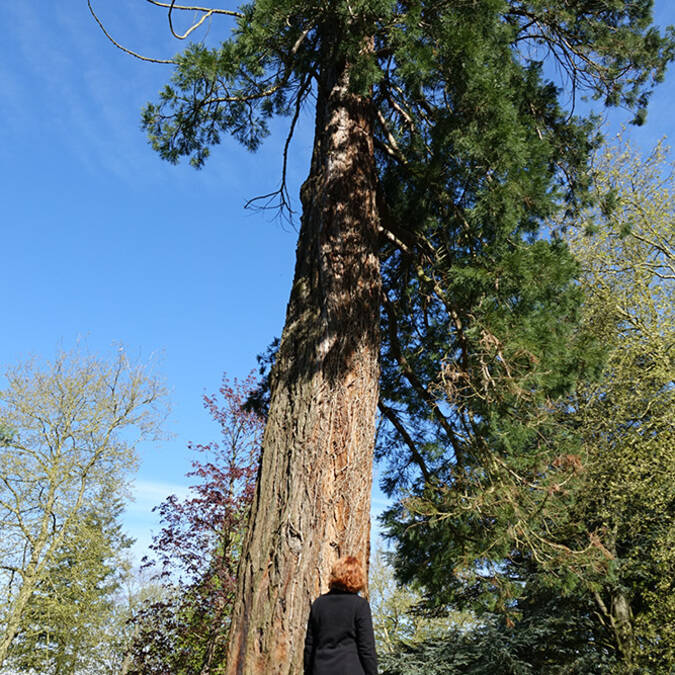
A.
pixel 66 622
pixel 610 609
pixel 439 147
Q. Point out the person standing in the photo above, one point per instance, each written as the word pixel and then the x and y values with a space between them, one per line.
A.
pixel 340 639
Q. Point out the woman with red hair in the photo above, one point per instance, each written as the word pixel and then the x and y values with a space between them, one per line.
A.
pixel 340 638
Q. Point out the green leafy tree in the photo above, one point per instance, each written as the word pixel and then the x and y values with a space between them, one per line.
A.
pixel 439 148
pixel 67 620
pixel 615 613
pixel 627 417
pixel 397 619
pixel 63 470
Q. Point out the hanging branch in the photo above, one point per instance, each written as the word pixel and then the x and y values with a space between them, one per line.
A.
pixel 416 383
pixel 136 55
pixel 284 198
pixel 403 432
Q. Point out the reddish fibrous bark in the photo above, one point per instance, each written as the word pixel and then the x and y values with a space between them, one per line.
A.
pixel 312 501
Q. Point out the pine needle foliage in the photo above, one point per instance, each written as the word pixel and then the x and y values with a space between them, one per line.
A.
pixel 475 150
pixel 610 610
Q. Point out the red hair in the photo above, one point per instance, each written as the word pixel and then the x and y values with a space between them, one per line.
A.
pixel 347 575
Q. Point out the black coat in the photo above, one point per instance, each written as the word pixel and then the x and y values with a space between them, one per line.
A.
pixel 340 638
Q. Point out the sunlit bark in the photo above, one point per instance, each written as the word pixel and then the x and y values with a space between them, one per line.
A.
pixel 313 497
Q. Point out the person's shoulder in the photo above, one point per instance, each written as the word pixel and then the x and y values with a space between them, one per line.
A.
pixel 340 596
pixel 324 598
pixel 362 605
pixel 356 599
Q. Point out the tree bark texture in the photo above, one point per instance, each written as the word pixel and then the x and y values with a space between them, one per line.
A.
pixel 312 503
pixel 622 624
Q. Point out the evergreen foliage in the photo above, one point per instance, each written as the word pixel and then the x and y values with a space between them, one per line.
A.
pixel 474 151
pixel 616 614
pixel 475 60
pixel 501 652
pixel 66 624
pixel 476 148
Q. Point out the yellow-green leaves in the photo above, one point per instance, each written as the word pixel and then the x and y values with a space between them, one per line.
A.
pixel 63 472
pixel 627 417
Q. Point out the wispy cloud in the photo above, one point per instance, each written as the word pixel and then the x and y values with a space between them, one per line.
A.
pixel 148 494
pixel 139 520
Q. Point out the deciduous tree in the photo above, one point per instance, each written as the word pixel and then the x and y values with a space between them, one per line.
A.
pixel 184 631
pixel 627 417
pixel 72 427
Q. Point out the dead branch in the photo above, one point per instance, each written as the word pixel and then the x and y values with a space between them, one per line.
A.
pixel 209 10
pixel 136 55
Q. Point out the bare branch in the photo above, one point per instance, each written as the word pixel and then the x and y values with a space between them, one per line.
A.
pixel 393 239
pixel 193 27
pixel 209 10
pixel 282 192
pixel 206 15
pixel 391 147
pixel 124 49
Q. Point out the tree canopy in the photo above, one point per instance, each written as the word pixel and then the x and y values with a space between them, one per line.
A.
pixel 610 609
pixel 442 144
pixel 627 416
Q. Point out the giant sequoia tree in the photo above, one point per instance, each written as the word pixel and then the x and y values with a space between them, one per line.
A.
pixel 439 146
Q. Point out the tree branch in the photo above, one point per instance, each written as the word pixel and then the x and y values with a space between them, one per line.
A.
pixel 415 381
pixel 284 199
pixel 416 456
pixel 209 10
pixel 124 49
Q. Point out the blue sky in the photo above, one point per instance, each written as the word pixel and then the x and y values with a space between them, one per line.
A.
pixel 103 241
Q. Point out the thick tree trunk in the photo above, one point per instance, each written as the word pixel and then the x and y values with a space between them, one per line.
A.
pixel 312 503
